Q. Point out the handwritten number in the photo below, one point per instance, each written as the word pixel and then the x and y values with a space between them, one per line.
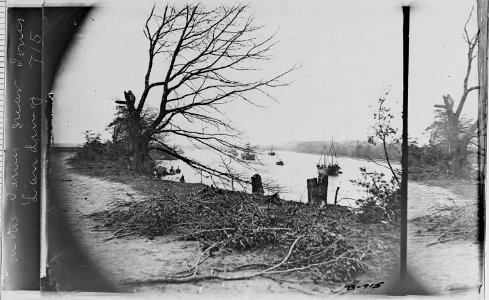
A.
pixel 36 39
pixel 351 287
pixel 35 49
pixel 33 59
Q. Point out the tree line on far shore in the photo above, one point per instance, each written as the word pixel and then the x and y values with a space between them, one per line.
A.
pixel 350 148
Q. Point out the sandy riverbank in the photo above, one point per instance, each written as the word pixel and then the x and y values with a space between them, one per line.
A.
pixel 451 268
pixel 132 258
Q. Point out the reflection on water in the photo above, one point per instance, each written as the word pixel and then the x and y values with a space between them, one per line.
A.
pixel 291 177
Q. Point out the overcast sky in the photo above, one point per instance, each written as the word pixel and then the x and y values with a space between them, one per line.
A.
pixel 350 53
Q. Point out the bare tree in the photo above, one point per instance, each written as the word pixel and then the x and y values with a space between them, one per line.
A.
pixel 199 59
pixel 386 134
pixel 459 136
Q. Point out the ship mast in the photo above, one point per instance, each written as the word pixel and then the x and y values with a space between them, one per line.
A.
pixel 332 152
pixel 323 156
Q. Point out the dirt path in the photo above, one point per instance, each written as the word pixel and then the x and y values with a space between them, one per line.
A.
pixel 139 259
pixel 444 268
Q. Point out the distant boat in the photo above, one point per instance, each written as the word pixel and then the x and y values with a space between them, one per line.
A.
pixel 271 152
pixel 333 170
pixel 174 171
pixel 279 163
pixel 160 171
pixel 330 165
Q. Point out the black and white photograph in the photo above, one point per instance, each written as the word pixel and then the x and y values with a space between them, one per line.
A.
pixel 207 142
pixel 445 234
pixel 270 149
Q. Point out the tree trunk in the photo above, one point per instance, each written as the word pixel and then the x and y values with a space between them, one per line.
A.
pixel 460 157
pixel 453 137
pixel 140 153
pixel 139 137
pixel 457 146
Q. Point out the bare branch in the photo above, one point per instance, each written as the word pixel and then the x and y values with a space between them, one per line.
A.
pixel 211 57
pixel 471 46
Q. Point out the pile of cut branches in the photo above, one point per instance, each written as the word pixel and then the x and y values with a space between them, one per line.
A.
pixel 449 222
pixel 324 244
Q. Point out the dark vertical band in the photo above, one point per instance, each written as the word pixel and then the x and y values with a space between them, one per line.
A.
pixel 21 198
pixel 482 17
pixel 68 265
pixel 405 147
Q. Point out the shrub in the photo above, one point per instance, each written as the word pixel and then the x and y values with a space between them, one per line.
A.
pixel 93 148
pixel 382 204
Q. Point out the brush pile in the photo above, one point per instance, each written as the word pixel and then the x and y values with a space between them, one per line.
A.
pixel 449 222
pixel 326 244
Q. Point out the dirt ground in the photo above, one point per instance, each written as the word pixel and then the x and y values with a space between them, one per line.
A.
pixel 130 259
pixel 451 268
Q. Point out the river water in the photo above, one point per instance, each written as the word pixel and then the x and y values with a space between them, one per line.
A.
pixel 291 177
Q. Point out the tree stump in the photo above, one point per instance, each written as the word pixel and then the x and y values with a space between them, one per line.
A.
pixel 322 190
pixel 256 185
pixel 317 191
pixel 311 189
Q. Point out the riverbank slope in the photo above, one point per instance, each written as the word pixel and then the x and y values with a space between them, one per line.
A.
pixel 443 252
pixel 132 261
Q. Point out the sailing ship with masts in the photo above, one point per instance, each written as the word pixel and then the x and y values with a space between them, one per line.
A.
pixel 272 153
pixel 330 164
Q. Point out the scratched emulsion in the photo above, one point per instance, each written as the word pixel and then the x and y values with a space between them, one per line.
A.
pixel 21 206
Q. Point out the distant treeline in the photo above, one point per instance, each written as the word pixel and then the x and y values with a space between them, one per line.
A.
pixel 360 149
